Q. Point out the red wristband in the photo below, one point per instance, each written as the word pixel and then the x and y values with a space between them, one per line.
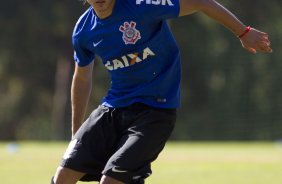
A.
pixel 248 29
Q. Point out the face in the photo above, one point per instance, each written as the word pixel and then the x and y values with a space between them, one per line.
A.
pixel 103 8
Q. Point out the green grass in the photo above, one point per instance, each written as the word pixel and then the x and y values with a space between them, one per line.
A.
pixel 179 163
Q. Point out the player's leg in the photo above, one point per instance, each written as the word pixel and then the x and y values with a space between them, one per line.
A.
pixel 109 180
pixel 147 130
pixel 66 176
pixel 90 149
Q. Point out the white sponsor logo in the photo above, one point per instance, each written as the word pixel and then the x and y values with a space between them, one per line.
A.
pixel 129 59
pixel 156 2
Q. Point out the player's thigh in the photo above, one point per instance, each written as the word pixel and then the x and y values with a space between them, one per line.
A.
pixel 145 140
pixel 92 145
pixel 141 144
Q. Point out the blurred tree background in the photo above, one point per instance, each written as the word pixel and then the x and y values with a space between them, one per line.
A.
pixel 227 93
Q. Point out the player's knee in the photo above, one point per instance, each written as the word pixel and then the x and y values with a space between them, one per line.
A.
pixel 109 180
pixel 61 175
pixel 65 175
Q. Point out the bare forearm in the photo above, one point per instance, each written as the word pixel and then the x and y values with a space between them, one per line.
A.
pixel 80 94
pixel 219 13
pixel 254 41
pixel 215 11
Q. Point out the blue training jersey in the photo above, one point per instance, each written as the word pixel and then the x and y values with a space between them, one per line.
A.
pixel 137 48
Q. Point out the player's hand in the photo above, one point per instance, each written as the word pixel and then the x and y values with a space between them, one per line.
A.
pixel 256 41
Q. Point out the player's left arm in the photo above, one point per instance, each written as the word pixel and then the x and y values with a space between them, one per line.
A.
pixel 253 41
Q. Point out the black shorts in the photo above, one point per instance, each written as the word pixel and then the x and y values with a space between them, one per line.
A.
pixel 120 142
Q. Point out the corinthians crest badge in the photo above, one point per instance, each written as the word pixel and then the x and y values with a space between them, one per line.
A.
pixel 130 34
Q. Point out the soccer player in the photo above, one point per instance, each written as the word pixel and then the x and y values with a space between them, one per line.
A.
pixel 120 139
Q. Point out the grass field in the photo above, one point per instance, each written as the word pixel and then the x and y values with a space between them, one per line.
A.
pixel 179 163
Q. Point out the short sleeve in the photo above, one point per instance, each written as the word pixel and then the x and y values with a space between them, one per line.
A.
pixel 159 9
pixel 82 56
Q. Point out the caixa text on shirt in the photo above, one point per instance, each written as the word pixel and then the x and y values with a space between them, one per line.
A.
pixel 155 2
pixel 129 59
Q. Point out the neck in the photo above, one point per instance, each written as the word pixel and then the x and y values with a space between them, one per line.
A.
pixel 104 11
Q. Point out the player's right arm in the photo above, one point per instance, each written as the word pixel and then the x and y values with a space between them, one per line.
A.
pixel 80 93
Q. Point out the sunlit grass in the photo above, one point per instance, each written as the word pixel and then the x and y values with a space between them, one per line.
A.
pixel 179 163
